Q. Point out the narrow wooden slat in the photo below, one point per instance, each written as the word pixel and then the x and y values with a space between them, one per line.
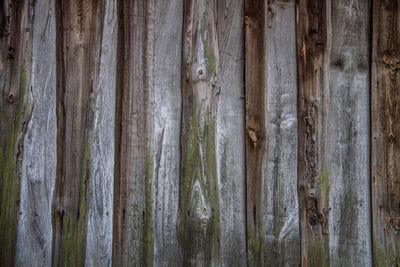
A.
pixel 280 202
pixel 101 139
pixel 15 112
pixel 230 125
pixel 385 121
pixel 167 112
pixel 312 46
pixel 132 224
pixel 255 12
pixel 76 41
pixel 199 218
pixel 38 158
pixel 345 174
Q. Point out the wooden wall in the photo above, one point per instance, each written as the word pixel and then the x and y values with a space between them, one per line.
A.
pixel 200 133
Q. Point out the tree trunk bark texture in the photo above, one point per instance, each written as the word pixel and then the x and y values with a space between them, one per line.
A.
pixel 200 133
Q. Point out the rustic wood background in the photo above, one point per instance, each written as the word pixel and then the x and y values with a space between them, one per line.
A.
pixel 200 133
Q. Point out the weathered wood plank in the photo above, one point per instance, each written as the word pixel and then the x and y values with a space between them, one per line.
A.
pixel 230 130
pixel 199 220
pixel 167 114
pixel 132 229
pixel 101 139
pixel 385 121
pixel 312 21
pixel 77 46
pixel 255 89
pixel 38 157
pixel 15 111
pixel 346 172
pixel 280 202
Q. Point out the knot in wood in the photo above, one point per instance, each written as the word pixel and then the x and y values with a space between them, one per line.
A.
pixel 253 137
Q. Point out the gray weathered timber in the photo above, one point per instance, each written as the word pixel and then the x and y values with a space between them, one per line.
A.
pixel 15 111
pixel 385 122
pixel 312 23
pixel 230 133
pixel 345 174
pixel 167 114
pixel 280 204
pixel 199 219
pixel 255 53
pixel 38 157
pixel 101 140
pixel 132 236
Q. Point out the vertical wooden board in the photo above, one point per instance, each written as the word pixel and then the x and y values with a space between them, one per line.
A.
pixel 345 174
pixel 385 121
pixel 38 158
pixel 199 219
pixel 167 112
pixel 15 111
pixel 312 22
pixel 101 140
pixel 280 202
pixel 230 151
pixel 77 48
pixel 255 27
pixel 132 225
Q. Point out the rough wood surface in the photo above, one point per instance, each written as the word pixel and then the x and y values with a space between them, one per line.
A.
pixel 255 89
pixel 199 214
pixel 346 172
pixel 15 111
pixel 385 121
pixel 230 128
pixel 279 198
pixel 167 114
pixel 38 157
pixel 313 191
pixel 133 159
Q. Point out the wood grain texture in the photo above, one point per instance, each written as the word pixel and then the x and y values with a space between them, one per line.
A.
pixel 230 128
pixel 346 172
pixel 38 157
pixel 199 215
pixel 312 22
pixel 76 48
pixel 255 84
pixel 132 225
pixel 15 112
pixel 385 122
pixel 101 139
pixel 166 133
pixel 279 199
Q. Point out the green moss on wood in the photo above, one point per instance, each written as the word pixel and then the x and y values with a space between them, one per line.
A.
pixel 74 225
pixel 385 256
pixel 12 120
pixel 318 253
pixel 148 222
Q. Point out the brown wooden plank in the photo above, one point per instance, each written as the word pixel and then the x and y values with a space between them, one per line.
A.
pixel 311 27
pixel 385 122
pixel 15 112
pixel 199 220
pixel 255 125
pixel 132 229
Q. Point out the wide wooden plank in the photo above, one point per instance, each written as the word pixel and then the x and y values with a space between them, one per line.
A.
pixel 199 215
pixel 345 174
pixel 230 137
pixel 385 121
pixel 101 139
pixel 312 21
pixel 38 157
pixel 255 28
pixel 167 114
pixel 132 223
pixel 279 198
pixel 15 112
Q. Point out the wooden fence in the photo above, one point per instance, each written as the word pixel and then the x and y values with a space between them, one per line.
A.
pixel 200 133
